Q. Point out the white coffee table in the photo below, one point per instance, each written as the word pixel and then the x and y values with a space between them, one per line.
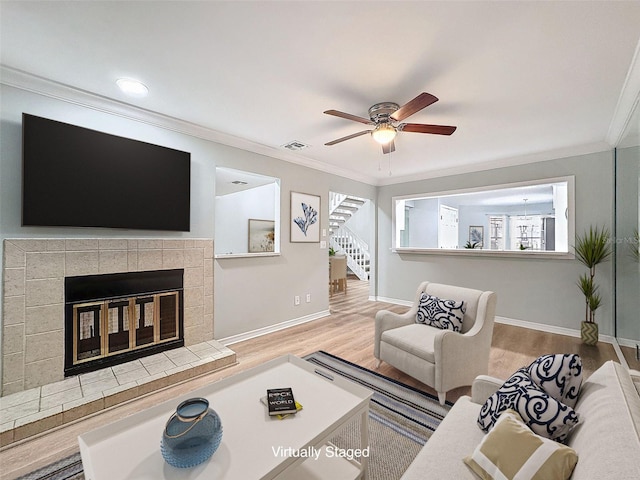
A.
pixel 130 448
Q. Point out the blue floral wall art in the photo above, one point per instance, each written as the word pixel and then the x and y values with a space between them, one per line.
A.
pixel 310 217
pixel 305 217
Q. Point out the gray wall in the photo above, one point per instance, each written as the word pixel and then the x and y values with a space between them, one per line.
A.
pixel 253 293
pixel 536 290
pixel 249 293
pixel 627 221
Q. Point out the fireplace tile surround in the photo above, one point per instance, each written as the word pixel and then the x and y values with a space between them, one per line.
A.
pixel 33 297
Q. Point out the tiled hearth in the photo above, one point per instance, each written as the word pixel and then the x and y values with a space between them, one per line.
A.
pixel 39 409
pixel 33 299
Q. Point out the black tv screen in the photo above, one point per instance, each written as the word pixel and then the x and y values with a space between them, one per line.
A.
pixel 77 177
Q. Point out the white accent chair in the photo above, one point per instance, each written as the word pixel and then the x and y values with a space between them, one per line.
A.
pixel 442 359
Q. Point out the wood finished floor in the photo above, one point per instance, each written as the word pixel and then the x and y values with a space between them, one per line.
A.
pixel 347 333
pixel 630 356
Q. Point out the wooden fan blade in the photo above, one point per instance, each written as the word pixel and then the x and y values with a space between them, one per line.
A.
pixel 348 116
pixel 421 101
pixel 348 137
pixel 423 128
pixel 389 147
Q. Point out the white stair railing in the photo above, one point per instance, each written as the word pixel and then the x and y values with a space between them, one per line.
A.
pixel 335 199
pixel 344 241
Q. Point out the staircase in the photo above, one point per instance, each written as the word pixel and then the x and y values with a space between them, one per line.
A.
pixel 344 241
pixel 341 208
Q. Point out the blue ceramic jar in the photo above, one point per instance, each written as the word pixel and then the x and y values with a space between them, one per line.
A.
pixel 192 434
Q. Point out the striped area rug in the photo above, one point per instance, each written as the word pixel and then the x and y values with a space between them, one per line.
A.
pixel 401 420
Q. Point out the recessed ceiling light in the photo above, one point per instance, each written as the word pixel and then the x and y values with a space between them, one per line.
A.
pixel 132 87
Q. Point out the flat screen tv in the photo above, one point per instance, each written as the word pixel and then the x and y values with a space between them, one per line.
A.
pixel 77 177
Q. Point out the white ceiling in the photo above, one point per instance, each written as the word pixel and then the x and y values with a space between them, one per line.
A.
pixel 522 81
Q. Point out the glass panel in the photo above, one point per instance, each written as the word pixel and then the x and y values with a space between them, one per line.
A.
pixel 627 182
pixel 88 324
pixel 168 316
pixel 627 258
pixel 532 216
pixel 118 326
pixel 144 308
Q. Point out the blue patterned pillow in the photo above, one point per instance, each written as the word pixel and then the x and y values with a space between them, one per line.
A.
pixel 560 375
pixel 543 414
pixel 443 314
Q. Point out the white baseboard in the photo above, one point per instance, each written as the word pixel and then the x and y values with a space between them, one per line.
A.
pixel 405 303
pixel 272 328
pixel 570 332
pixel 625 342
pixel 518 323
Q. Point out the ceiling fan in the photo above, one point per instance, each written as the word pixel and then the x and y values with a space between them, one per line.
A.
pixel 384 117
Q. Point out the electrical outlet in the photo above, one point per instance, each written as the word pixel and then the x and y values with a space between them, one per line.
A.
pixel 323 244
pixel 308 297
pixel 296 300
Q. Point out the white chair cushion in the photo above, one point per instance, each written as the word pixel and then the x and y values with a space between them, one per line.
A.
pixel 415 339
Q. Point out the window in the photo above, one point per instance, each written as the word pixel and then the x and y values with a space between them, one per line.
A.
pixel 527 217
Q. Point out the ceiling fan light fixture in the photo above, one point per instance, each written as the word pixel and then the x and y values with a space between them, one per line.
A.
pixel 384 133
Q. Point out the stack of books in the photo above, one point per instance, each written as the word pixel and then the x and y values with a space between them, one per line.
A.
pixel 280 402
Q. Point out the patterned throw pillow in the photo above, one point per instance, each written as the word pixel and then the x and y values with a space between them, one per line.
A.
pixel 512 451
pixel 559 375
pixel 542 413
pixel 443 314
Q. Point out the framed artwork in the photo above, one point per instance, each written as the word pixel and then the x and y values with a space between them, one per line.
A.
pixel 262 235
pixel 305 218
pixel 476 235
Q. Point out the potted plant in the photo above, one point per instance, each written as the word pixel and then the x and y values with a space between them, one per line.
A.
pixel 591 249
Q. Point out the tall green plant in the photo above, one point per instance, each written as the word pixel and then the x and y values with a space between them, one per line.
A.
pixel 591 249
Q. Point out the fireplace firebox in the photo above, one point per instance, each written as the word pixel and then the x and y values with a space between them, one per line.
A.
pixel 116 318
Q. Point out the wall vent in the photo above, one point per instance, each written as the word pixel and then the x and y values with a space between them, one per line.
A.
pixel 295 146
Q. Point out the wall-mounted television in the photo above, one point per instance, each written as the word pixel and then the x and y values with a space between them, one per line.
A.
pixel 77 177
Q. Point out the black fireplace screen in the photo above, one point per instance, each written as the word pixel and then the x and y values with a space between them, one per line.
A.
pixel 114 318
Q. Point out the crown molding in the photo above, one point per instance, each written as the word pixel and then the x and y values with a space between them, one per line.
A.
pixel 537 157
pixel 43 86
pixel 628 101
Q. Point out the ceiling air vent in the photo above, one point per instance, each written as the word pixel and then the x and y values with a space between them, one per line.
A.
pixel 295 146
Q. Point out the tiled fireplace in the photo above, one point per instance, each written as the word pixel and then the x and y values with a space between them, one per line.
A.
pixel 117 317
pixel 35 273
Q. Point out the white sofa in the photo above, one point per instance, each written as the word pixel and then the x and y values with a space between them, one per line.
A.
pixel 607 440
